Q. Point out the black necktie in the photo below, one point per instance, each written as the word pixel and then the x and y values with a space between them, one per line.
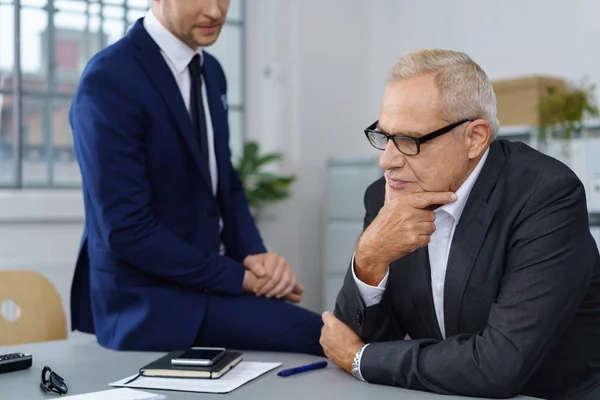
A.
pixel 197 110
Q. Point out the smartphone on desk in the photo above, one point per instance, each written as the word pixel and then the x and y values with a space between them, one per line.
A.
pixel 199 356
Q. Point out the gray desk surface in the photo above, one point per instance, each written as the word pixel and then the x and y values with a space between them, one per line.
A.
pixel 87 367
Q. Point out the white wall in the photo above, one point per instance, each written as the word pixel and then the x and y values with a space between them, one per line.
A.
pixel 507 38
pixel 315 106
pixel 331 58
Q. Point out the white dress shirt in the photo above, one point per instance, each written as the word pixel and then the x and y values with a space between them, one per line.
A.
pixel 446 219
pixel 178 55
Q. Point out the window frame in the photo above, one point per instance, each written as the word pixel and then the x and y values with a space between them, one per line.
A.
pixel 18 92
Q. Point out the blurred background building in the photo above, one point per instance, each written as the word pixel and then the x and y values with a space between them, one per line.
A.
pixel 305 78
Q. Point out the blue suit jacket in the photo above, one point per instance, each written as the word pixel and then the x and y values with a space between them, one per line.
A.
pixel 149 254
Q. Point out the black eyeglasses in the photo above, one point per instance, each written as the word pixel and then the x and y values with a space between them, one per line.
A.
pixel 406 145
pixel 52 382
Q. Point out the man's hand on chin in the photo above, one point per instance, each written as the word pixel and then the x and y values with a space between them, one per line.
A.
pixel 339 342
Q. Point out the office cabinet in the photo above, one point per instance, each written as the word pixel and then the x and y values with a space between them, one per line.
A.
pixel 345 184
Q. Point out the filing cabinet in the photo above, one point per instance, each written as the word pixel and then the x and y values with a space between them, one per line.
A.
pixel 345 184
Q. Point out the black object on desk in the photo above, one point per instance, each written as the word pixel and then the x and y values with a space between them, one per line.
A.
pixel 164 368
pixel 15 362
pixel 52 382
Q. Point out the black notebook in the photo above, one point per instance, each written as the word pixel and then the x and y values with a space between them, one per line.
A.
pixel 163 367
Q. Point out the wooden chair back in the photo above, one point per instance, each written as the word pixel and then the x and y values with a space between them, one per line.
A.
pixel 39 315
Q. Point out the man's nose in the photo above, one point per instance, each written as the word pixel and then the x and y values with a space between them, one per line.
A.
pixel 212 9
pixel 391 157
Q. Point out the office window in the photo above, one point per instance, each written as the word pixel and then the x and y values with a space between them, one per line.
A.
pixel 37 80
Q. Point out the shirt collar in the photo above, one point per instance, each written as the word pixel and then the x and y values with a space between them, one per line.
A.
pixel 175 50
pixel 455 209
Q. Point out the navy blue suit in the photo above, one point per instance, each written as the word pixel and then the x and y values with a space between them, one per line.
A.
pixel 149 275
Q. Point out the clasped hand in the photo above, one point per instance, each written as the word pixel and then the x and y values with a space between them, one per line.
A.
pixel 270 275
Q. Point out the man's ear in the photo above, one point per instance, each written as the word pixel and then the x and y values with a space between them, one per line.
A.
pixel 479 135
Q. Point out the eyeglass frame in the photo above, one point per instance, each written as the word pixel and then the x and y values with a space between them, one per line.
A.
pixel 54 383
pixel 418 140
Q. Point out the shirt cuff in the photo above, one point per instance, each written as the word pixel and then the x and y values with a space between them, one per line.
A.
pixel 371 295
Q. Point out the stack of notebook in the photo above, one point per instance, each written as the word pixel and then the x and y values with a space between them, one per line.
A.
pixel 163 367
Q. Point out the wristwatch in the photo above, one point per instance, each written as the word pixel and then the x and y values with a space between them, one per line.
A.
pixel 356 363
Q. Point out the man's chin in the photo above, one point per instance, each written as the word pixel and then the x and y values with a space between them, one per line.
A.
pixel 392 193
pixel 396 191
pixel 204 40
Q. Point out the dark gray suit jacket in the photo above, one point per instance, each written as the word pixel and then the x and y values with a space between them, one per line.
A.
pixel 521 299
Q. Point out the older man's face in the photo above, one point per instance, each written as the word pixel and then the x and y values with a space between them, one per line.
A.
pixel 412 107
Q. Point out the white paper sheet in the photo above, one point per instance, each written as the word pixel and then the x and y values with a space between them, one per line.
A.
pixel 243 373
pixel 117 394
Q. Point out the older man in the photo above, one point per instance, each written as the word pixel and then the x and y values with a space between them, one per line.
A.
pixel 477 249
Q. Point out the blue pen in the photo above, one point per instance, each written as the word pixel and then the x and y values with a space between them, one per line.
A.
pixel 297 370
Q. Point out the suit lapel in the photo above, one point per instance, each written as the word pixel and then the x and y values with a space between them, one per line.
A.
pixel 469 236
pixel 422 297
pixel 148 53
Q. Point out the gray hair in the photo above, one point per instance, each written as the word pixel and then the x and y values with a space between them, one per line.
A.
pixel 465 89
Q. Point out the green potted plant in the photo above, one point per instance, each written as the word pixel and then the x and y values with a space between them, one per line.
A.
pixel 562 112
pixel 261 187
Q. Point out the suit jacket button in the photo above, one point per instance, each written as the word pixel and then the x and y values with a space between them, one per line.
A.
pixel 359 318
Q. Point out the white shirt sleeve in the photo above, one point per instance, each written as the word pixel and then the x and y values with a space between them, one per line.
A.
pixel 371 295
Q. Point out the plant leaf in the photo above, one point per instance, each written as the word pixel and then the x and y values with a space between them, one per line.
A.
pixel 261 187
pixel 561 112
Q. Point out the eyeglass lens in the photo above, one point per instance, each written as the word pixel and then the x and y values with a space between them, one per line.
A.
pixel 403 144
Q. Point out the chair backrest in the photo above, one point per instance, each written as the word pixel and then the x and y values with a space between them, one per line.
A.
pixel 40 316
